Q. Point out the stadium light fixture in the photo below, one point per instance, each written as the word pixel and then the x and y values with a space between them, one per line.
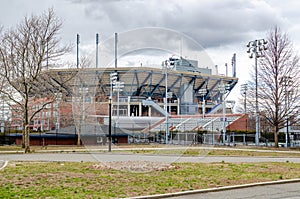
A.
pixel 256 49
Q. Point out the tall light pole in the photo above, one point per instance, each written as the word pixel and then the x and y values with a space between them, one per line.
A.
pixel 116 50
pixel 256 49
pixel 97 46
pixel 77 49
pixel 166 68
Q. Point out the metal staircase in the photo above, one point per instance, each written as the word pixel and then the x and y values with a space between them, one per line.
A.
pixel 156 106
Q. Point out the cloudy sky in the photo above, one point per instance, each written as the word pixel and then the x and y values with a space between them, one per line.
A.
pixel 220 27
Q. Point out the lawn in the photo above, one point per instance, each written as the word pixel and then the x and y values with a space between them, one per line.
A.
pixel 122 179
pixel 166 150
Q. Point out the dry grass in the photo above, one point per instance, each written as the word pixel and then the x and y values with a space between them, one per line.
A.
pixel 116 180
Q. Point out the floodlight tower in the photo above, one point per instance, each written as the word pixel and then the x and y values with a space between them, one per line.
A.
pixel 256 49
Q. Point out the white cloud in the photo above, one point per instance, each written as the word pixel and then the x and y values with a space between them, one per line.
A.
pixel 221 27
pixel 211 23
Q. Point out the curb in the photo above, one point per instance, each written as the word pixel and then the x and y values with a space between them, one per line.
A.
pixel 199 191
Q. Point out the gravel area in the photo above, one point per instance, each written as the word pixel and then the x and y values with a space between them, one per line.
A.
pixel 134 166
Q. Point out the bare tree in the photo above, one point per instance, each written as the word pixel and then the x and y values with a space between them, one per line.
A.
pixel 279 81
pixel 25 54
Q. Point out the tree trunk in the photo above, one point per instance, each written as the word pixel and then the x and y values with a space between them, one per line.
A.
pixel 78 135
pixel 276 137
pixel 78 139
pixel 27 139
pixel 23 138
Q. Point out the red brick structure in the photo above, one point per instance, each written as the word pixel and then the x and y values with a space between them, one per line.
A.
pixel 241 124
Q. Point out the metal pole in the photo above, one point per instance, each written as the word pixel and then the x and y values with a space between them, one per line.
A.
pixel 256 48
pixel 203 92
pixel 166 104
pixel 244 89
pixel 109 127
pixel 118 105
pixel 3 121
pixel 116 52
pixel 97 42
pixel 203 107
pixel 224 115
pixel 245 102
pixel 286 105
pixel 77 50
pixel 256 100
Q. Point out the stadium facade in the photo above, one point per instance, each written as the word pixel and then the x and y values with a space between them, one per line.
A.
pixel 179 97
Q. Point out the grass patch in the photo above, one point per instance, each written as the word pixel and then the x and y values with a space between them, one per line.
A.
pixel 213 152
pixel 82 180
pixel 162 150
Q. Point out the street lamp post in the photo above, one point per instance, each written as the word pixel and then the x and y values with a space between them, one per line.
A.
pixel 202 93
pixel 113 80
pixel 256 49
pixel 223 88
pixel 109 126
pixel 244 88
pixel 118 86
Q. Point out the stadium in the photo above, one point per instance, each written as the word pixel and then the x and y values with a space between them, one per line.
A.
pixel 176 104
pixel 182 101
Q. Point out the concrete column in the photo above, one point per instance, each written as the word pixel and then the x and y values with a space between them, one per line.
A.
pixel 178 106
pixel 128 106
pixel 140 108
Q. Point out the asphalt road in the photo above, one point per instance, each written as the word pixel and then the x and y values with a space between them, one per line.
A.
pixel 282 191
pixel 109 157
